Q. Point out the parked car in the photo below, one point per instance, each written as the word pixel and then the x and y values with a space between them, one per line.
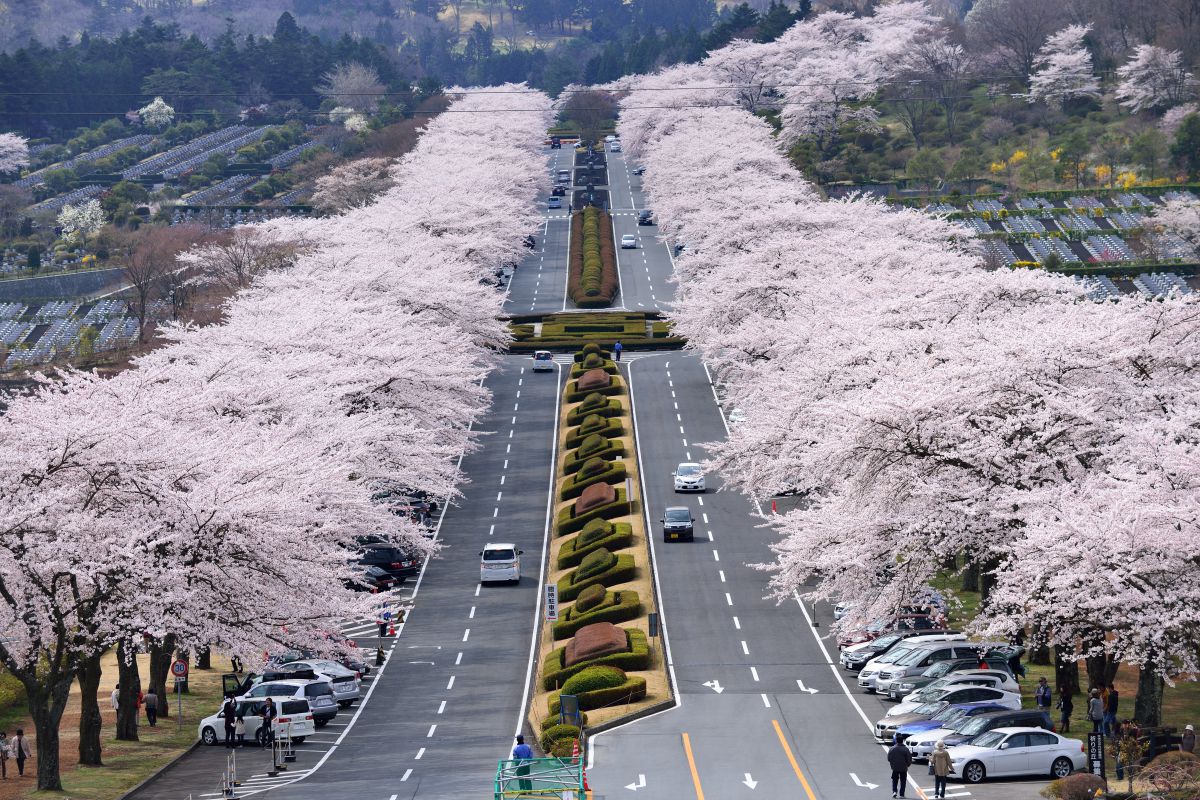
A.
pixel 844 607
pixel 500 561
pixel 1017 751
pixel 901 689
pixel 689 477
pixel 645 217
pixel 543 361
pixel 960 693
pixel 678 523
pixel 913 622
pixel 395 562
pixel 292 716
pixel 628 241
pixel 886 727
pixel 885 661
pixel 921 659
pixel 371 578
pixel 736 416
pixel 319 694
pixel 610 138
pixel 964 729
pixel 856 655
pixel 950 715
pixel 346 688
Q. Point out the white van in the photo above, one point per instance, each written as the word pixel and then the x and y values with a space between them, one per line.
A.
pixel 500 561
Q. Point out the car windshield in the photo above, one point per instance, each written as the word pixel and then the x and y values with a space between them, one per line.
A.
pixel 687 470
pixel 912 657
pixel 543 356
pixel 939 669
pixel 895 655
pixel 972 726
pixel 678 515
pixel 884 642
pixel 990 739
pixel 948 714
pixel 929 709
pixel 499 555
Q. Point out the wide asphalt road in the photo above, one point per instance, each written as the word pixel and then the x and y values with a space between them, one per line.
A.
pixel 539 283
pixel 645 271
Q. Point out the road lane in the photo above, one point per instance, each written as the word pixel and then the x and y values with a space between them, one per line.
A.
pixel 647 270
pixel 539 283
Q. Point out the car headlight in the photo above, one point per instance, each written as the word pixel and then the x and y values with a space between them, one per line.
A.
pixel 907 687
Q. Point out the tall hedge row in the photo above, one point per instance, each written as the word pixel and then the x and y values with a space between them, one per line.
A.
pixel 592 276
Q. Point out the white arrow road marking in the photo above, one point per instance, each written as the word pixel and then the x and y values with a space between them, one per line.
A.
pixel 857 782
pixel 641 784
pixel 750 781
pixel 714 685
pixel 804 688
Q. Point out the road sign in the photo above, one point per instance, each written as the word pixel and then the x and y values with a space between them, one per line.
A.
pixel 653 624
pixel 179 669
pixel 1095 751
pixel 551 602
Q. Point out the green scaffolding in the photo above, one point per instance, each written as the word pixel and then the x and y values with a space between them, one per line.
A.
pixel 539 777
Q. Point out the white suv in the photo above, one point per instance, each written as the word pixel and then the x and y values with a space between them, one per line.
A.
pixel 293 717
pixel 346 688
pixel 689 477
pixel 500 561
pixel 318 693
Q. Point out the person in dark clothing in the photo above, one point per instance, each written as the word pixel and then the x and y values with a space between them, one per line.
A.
pixel 1065 706
pixel 1042 695
pixel 1110 710
pixel 899 759
pixel 21 750
pixel 1095 711
pixel 268 722
pixel 151 701
pixel 617 348
pixel 523 755
pixel 1187 742
pixel 229 710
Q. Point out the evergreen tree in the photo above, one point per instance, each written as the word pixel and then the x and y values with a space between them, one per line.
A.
pixel 777 19
pixel 1186 148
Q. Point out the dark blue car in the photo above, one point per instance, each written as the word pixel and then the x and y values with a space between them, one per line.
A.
pixel 946 717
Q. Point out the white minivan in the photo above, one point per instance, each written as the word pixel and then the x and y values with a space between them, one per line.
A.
pixel 500 562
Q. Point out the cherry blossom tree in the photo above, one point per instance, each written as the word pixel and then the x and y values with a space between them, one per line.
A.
pixel 1181 217
pixel 234 259
pixel 80 221
pixel 1174 116
pixel 1154 77
pixel 353 184
pixel 1063 68
pixel 157 114
pixel 14 152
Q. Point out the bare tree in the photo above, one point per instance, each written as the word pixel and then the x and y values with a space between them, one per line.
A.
pixel 151 256
pixel 589 110
pixel 1013 30
pixel 235 258
pixel 352 85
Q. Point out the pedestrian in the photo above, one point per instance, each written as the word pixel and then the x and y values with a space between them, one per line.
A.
pixel 617 348
pixel 1095 711
pixel 1187 743
pixel 523 755
pixel 227 712
pixel 1042 695
pixel 433 508
pixel 268 723
pixel 1110 710
pixel 1014 663
pixel 151 701
pixel 239 728
pixel 1065 705
pixel 235 664
pixel 941 766
pixel 21 751
pixel 900 760
pixel 5 754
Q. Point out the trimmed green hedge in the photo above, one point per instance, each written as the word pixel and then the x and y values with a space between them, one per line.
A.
pixel 578 368
pixel 574 550
pixel 590 350
pixel 573 485
pixel 552 720
pixel 620 606
pixel 574 394
pixel 631 691
pixel 563 345
pixel 554 674
pixel 605 407
pixel 593 678
pixel 592 273
pixel 520 332
pixel 624 569
pixel 608 428
pixel 569 523
pixel 575 461
pixel 555 733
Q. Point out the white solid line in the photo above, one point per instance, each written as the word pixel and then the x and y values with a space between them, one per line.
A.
pixel 766 702
pixel 450 683
pixel 432 728
pixel 754 674
pixel 458 660
pixel 466 634
pixel 745 649
pixel 442 707
pixel 420 753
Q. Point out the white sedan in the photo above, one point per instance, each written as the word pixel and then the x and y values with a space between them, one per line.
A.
pixel 1017 751
pixel 689 477
pixel 628 241
pixel 959 693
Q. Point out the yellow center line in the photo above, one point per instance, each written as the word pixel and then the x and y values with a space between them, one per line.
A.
pixel 792 758
pixel 687 748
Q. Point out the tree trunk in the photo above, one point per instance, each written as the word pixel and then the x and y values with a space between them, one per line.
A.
pixel 130 682
pixel 162 653
pixel 90 720
pixel 1100 670
pixel 1066 670
pixel 1040 655
pixel 204 658
pixel 970 576
pixel 1147 706
pixel 47 701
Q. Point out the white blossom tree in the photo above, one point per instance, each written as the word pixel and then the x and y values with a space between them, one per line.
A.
pixel 14 152
pixel 1174 116
pixel 236 258
pixel 157 114
pixel 353 184
pixel 1063 68
pixel 353 85
pixel 80 221
pixel 1154 77
pixel 1182 218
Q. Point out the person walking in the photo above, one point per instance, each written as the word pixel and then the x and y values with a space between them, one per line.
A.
pixel 941 766
pixel 116 705
pixel 1042 695
pixel 617 348
pixel 1065 706
pixel 239 728
pixel 5 755
pixel 1110 710
pixel 21 751
pixel 151 701
pixel 523 755
pixel 1095 711
pixel 1187 742
pixel 228 711
pixel 899 759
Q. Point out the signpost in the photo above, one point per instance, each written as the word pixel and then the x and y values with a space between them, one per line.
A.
pixel 179 668
pixel 1095 751
pixel 551 602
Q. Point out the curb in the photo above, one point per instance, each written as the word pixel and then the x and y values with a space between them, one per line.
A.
pixel 592 730
pixel 154 775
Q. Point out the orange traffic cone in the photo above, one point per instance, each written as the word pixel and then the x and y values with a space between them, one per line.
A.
pixel 392 629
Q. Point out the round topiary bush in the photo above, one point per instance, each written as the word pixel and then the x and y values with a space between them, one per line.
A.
pixel 555 733
pixel 592 360
pixel 592 348
pixel 592 445
pixel 592 467
pixel 594 531
pixel 593 401
pixel 589 598
pixel 593 678
pixel 592 423
pixel 1080 786
pixel 594 563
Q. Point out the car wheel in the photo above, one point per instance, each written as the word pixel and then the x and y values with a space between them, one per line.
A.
pixel 345 703
pixel 691 537
pixel 320 723
pixel 1062 767
pixel 208 736
pixel 298 739
pixel 974 772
